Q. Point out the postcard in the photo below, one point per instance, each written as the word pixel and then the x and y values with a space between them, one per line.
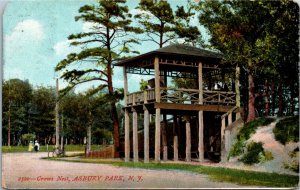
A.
pixel 150 94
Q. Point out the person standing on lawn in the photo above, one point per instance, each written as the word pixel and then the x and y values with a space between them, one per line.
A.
pixel 30 146
pixel 36 146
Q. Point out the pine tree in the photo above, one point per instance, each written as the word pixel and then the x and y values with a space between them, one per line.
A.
pixel 163 25
pixel 106 42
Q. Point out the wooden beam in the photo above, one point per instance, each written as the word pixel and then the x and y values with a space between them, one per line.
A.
pixel 157 79
pixel 164 139
pixel 188 157
pixel 192 107
pixel 200 82
pixel 200 143
pixel 200 115
pixel 146 135
pixel 135 137
pixel 157 135
pixel 175 137
pixel 127 136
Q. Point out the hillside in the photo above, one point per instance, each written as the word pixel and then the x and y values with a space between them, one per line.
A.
pixel 273 147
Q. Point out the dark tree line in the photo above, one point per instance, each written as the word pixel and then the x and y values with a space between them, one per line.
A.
pixel 31 110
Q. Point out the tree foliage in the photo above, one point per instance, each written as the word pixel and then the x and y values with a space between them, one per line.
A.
pixel 255 35
pixel 162 24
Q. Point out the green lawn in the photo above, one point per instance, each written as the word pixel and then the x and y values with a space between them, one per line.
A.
pixel 215 173
pixel 43 148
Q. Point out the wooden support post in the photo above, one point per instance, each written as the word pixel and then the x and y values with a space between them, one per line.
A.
pixel 125 86
pixel 157 80
pixel 188 139
pixel 200 115
pixel 164 138
pixel 146 135
pixel 157 110
pixel 165 125
pixel 229 118
pixel 135 137
pixel 175 138
pixel 222 130
pixel 127 136
pixel 157 135
pixel 237 90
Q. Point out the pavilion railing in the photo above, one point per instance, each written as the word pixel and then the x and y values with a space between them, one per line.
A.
pixel 182 96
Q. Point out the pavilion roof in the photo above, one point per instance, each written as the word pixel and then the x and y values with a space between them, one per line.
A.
pixel 178 50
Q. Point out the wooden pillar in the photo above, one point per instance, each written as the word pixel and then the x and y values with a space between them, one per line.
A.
pixel 125 85
pixel 229 118
pixel 237 90
pixel 223 125
pixel 164 138
pixel 127 136
pixel 157 110
pixel 135 137
pixel 157 135
pixel 175 138
pixel 188 139
pixel 200 115
pixel 146 135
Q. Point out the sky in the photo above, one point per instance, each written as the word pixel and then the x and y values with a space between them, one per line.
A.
pixel 35 40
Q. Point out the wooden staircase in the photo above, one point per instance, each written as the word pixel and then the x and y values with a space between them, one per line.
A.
pixel 229 130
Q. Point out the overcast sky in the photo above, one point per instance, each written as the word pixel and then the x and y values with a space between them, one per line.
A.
pixel 35 39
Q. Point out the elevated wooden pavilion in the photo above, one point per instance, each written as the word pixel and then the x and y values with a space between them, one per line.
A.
pixel 177 61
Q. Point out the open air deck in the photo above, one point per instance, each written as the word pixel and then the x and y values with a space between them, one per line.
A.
pixel 186 103
pixel 182 96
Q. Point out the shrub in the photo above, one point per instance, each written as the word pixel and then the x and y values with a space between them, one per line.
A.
pixel 28 137
pixel 287 130
pixel 294 166
pixel 268 155
pixel 238 148
pixel 253 154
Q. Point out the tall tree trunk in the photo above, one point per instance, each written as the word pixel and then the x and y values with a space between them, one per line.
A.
pixel 273 98
pixel 114 113
pixel 266 98
pixel 57 116
pixel 89 134
pixel 280 101
pixel 251 101
pixel 8 131
pixel 292 89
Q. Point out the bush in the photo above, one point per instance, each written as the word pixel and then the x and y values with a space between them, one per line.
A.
pixel 294 166
pixel 287 130
pixel 28 137
pixel 238 148
pixel 253 154
pixel 268 155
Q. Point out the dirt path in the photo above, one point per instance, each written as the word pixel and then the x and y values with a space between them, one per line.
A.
pixel 27 170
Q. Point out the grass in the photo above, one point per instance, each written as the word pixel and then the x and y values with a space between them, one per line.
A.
pixel 215 173
pixel 43 148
